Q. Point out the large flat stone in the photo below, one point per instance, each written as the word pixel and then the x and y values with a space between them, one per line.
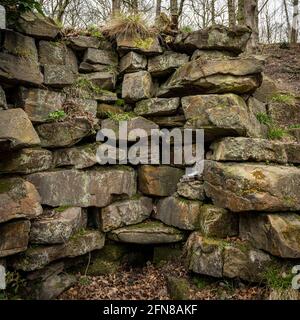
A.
pixel 179 212
pixel 277 233
pixel 106 57
pixel 16 130
pixel 58 76
pixel 158 180
pixel 19 70
pixel 104 80
pixel 39 103
pixel 14 237
pixel 157 107
pixel 125 213
pixel 80 42
pixel 93 187
pixel 252 187
pixel 192 190
pixel 147 233
pixel 57 225
pixel 234 75
pixel 132 62
pixel 26 161
pixel 38 257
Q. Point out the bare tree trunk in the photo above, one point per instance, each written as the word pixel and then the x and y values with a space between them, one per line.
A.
pixel 62 6
pixel 231 13
pixel 174 14
pixel 157 10
pixel 241 12
pixel 287 18
pixel 135 6
pixel 213 12
pixel 116 7
pixel 294 31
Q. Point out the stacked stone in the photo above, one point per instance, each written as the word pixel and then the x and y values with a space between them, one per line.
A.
pixel 58 203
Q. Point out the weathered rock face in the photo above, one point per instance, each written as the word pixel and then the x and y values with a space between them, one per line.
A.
pixel 58 76
pixel 217 258
pixel 57 187
pixel 63 134
pixel 18 199
pixel 85 105
pixel 36 25
pixel 233 75
pixel 166 63
pixel 86 67
pixel 284 114
pixel 26 161
pixel 100 56
pixel 39 103
pixel 20 45
pixel 16 130
pixel 132 124
pixel 19 70
pixel 83 42
pixel 260 150
pixel 3 104
pixel 39 257
pixel 157 107
pixel 275 233
pixel 193 190
pixel 57 225
pixel 14 237
pixel 104 80
pixel 221 115
pixel 178 212
pixel 247 187
pixel 217 222
pixel 137 86
pixel 266 91
pixel 125 213
pixel 132 62
pixel 170 121
pixel 147 233
pixel 215 38
pixel 211 54
pixel 104 109
pixel 79 157
pixel 158 180
pixel 148 47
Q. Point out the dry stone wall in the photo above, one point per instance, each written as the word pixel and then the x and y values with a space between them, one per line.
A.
pixel 57 202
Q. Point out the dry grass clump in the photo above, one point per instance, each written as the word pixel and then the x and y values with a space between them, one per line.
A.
pixel 128 26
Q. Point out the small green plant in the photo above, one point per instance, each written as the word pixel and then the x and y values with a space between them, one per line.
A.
pixel 263 118
pixel 283 98
pixel 94 31
pixel 294 126
pixel 14 281
pixel 84 281
pixel 187 29
pixel 120 103
pixel 143 43
pixel 200 282
pixel 57 115
pixel 61 208
pixel 277 278
pixel 118 117
pixel 276 133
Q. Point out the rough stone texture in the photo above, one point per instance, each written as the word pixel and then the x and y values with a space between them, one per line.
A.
pixel 85 105
pixel 20 45
pixel 178 288
pixel 38 26
pixel 79 157
pixel 147 233
pixel 215 38
pixel 104 109
pixel 86 67
pixel 178 212
pixel 157 107
pixel 100 56
pixel 3 104
pixel 63 134
pixel 19 70
pixel 148 47
pixel 2 274
pixel 266 91
pixel 166 63
pixel 26 161
pixel 57 187
pixel 252 187
pixel 105 97
pixel 132 62
pixel 39 103
pixel 158 180
pixel 169 121
pixel 132 124
pixel 16 130
pixel 283 114
pixel 221 115
pixel 260 150
pixel 193 190
pixel 38 257
pixel 218 258
pixel 58 76
pixel 57 225
pixel 125 213
pixel 217 222
pixel 235 75
pixel 211 54
pixel 14 237
pixel 83 42
pixel 137 86
pixel 104 80
pixel 277 233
